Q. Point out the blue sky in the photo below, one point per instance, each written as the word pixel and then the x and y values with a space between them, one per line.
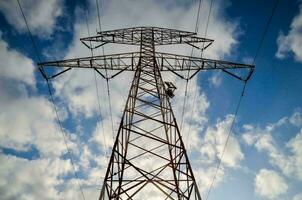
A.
pixel 263 157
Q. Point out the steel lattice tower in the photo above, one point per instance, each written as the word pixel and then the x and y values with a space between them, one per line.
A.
pixel 149 159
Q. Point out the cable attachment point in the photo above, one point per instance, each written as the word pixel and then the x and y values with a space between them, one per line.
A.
pixel 170 89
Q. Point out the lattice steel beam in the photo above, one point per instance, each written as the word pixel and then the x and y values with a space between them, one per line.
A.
pixel 165 61
pixel 132 36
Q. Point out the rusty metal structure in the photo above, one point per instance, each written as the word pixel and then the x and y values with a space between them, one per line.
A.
pixel 148 159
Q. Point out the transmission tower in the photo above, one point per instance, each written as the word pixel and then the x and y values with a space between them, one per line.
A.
pixel 148 159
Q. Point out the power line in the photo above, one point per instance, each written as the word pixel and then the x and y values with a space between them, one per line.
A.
pixel 64 137
pixel 266 29
pixel 106 72
pixel 240 99
pixel 110 106
pixel 98 13
pixel 207 25
pixel 227 139
pixel 97 88
pixel 184 105
pixel 195 91
pixel 197 17
pixel 99 21
pixel 30 34
pixel 53 103
pixel 187 80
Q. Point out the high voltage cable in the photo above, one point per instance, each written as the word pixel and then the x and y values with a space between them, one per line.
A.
pixel 207 25
pixel 53 103
pixel 107 79
pixel 195 91
pixel 187 81
pixel 240 99
pixel 99 22
pixel 266 29
pixel 98 13
pixel 100 117
pixel 30 34
pixel 227 139
pixel 110 106
pixel 64 138
pixel 97 88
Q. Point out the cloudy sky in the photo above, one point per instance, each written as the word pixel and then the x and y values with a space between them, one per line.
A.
pixel 263 159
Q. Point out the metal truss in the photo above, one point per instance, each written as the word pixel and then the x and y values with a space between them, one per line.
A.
pixel 133 36
pixel 166 62
pixel 148 159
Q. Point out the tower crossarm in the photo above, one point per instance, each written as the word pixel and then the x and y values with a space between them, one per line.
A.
pixel 176 63
pixel 116 62
pixel 132 36
pixel 166 62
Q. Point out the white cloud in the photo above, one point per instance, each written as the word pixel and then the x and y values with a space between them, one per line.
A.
pixel 28 124
pixel 286 157
pixel 24 118
pixel 41 15
pixel 204 178
pixel 31 179
pixel 11 67
pixel 214 141
pixel 289 162
pixel 103 134
pixel 292 164
pixel 298 197
pixel 265 143
pixel 249 137
pixel 194 119
pixel 215 80
pixel 262 137
pixel 27 121
pixel 269 184
pixel 296 119
pixel 291 43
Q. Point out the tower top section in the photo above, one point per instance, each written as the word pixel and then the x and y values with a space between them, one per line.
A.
pixel 133 36
pixel 147 37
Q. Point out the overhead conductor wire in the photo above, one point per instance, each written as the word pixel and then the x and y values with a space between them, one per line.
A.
pixel 195 91
pixel 107 78
pixel 96 88
pixel 97 91
pixel 242 94
pixel 187 80
pixel 53 103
